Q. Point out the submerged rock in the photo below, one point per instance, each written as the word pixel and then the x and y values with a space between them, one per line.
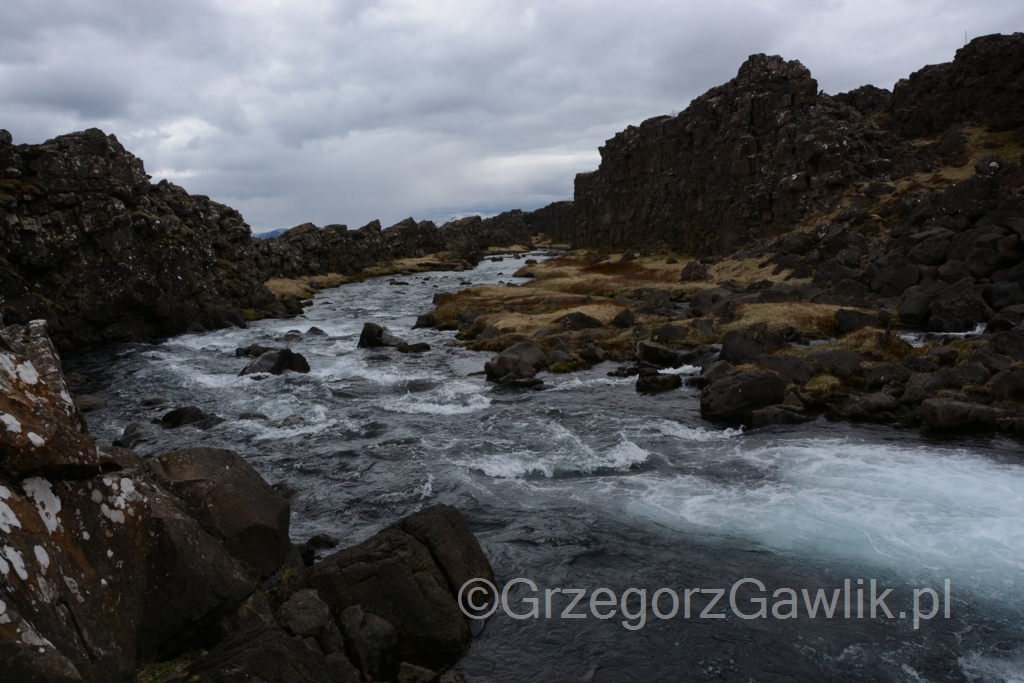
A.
pixel 277 363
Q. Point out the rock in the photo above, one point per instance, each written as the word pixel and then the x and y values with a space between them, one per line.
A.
pixel 592 354
pixel 879 402
pixel 993 362
pixel 373 642
pixel 657 354
pixel 276 363
pixel 918 364
pixel 669 333
pixel 624 319
pixel 87 403
pixel 292 335
pixel 419 347
pixel 315 332
pixel 374 336
pixel 999 295
pixel 849 320
pixel 943 379
pixel 576 321
pixel 521 361
pixel 843 364
pixel 893 281
pixel 712 372
pixel 232 502
pixel 150 401
pixel 776 415
pixel 444 532
pixel 953 270
pixel 426 320
pixel 131 435
pixel 881 374
pixel 790 368
pixel 705 299
pixel 41 429
pixel 318 542
pixel 305 614
pixel 944 356
pixel 942 414
pixel 189 415
pixel 959 308
pixel 410 673
pixel 913 395
pixel 738 394
pixel 652 382
pixel 744 346
pixel 915 306
pixel 694 271
pixel 266 653
pixel 251 415
pixel 1008 384
pixel 1009 343
pixel 972 373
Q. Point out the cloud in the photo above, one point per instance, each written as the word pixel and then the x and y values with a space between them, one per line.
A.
pixel 345 111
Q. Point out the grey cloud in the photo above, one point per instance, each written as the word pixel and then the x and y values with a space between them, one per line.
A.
pixel 348 111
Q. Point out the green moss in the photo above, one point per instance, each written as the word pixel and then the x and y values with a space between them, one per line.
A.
pixel 157 672
pixel 823 384
pixel 567 366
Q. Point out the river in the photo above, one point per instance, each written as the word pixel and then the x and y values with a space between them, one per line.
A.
pixel 589 485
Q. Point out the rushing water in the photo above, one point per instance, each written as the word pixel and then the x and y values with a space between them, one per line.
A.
pixel 588 485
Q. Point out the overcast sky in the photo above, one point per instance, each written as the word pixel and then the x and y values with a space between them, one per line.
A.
pixel 345 111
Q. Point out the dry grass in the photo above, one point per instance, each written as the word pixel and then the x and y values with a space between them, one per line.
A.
pixel 514 249
pixel 573 273
pixel 812 320
pixel 823 385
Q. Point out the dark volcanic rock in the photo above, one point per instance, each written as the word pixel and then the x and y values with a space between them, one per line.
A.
pixel 790 368
pixel 657 354
pixel 190 415
pixel 276 363
pixel 232 502
pixel 744 346
pixel 737 395
pixel 840 363
pixel 373 336
pixel 776 415
pixel 959 308
pixel 372 641
pixel 578 321
pixel 652 382
pixel 941 413
pixel 624 319
pixel 517 362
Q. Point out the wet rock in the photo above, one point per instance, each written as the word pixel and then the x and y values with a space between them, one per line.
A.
pixel 232 502
pixel 315 332
pixel 410 673
pixel 444 532
pixel 592 354
pixel 881 374
pixel 790 368
pixel 519 361
pixel 879 402
pixel 276 363
pixel 251 415
pixel 425 320
pixel 577 320
pixel 657 354
pixel 131 435
pixel 373 642
pixel 777 415
pixel 252 351
pixel 318 542
pixel 419 347
pixel 942 414
pixel 843 364
pixel 373 336
pixel 943 379
pixel 652 382
pixel 744 346
pixel 150 401
pixel 738 394
pixel 712 372
pixel 87 403
pixel 189 415
pixel 624 319
pixel 913 395
pixel 292 336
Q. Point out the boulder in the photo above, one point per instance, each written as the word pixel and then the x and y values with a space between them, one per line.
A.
pixel 444 532
pixel 252 351
pixel 694 271
pixel 657 354
pixel 374 336
pixel 942 414
pixel 267 653
pixel 419 347
pixel 410 673
pixel 521 361
pixel 41 429
pixel 304 614
pixel 577 320
pixel 669 333
pixel 276 363
pixel 624 319
pixel 895 280
pixel 879 402
pixel 426 320
pixel 943 379
pixel 841 363
pixel 993 362
pixel 790 368
pixel 918 364
pixel 944 355
pixel 776 415
pixel 652 382
pixel 738 394
pixel 959 308
pixel 189 415
pixel 232 502
pixel 705 299
pixel 881 374
pixel 372 641
pixel 848 320
pixel 972 373
pixel 1008 384
pixel 999 295
pixel 744 346
pixel 713 371
pixel 914 307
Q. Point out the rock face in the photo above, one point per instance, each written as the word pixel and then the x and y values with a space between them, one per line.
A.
pixel 408 575
pixel 738 394
pixel 746 159
pixel 91 246
pixel 277 363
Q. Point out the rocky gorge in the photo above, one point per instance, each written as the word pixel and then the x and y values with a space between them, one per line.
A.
pixel 788 254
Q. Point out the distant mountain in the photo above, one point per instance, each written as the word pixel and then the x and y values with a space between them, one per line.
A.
pixel 268 235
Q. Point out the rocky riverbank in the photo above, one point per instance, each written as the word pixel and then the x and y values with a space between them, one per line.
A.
pixel 182 565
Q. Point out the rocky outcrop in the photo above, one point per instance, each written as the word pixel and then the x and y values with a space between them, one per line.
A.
pixel 748 159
